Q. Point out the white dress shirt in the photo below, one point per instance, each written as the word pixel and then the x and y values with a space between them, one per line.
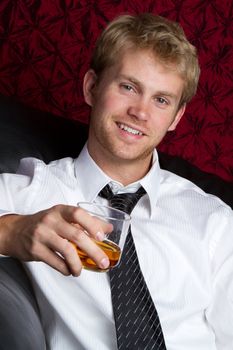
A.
pixel 184 242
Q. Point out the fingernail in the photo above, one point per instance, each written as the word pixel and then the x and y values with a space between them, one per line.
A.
pixel 104 263
pixel 100 236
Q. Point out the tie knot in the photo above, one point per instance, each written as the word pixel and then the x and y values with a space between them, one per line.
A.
pixel 124 201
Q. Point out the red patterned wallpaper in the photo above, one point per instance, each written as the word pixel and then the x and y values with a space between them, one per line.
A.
pixel 45 49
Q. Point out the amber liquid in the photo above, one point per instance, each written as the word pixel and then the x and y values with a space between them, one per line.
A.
pixel 111 250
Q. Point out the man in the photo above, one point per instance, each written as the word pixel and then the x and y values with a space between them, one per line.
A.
pixel 143 73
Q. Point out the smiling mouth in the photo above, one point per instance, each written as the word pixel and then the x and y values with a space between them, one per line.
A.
pixel 129 129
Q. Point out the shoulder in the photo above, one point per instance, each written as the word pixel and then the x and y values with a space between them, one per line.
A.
pixel 39 173
pixel 186 194
pixel 200 215
pixel 41 185
pixel 32 166
pixel 209 182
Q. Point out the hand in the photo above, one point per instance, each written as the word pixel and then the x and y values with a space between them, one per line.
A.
pixel 47 235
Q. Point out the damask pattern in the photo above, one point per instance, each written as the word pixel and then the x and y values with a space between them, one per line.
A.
pixel 45 48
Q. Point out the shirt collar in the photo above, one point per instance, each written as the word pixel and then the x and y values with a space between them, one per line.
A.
pixel 89 175
pixel 92 179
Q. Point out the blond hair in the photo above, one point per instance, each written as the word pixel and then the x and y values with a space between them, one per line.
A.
pixel 165 38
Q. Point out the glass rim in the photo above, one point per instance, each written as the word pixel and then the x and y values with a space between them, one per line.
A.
pixel 127 217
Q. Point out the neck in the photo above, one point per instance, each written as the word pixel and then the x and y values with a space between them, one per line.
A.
pixel 124 171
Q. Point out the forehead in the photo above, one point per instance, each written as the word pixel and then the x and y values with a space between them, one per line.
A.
pixel 145 60
pixel 144 67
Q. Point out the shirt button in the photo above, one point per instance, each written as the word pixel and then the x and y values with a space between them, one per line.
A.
pixel 115 187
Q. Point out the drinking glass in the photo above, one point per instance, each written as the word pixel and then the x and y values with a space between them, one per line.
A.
pixel 114 241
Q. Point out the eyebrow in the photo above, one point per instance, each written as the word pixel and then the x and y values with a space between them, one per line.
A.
pixel 131 79
pixel 140 85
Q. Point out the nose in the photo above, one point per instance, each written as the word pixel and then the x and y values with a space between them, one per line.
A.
pixel 139 110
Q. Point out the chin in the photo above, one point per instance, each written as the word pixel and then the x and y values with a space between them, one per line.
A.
pixel 131 156
pixel 121 151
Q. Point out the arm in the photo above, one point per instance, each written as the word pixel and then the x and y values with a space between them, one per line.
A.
pixel 220 311
pixel 47 235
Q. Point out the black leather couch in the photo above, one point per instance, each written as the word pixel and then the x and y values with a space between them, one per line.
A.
pixel 28 132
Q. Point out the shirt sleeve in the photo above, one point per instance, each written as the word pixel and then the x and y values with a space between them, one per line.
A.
pixel 220 313
pixel 15 189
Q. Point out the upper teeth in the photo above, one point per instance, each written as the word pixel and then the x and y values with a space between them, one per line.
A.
pixel 132 131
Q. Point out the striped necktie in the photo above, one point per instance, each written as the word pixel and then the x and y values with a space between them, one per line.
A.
pixel 136 319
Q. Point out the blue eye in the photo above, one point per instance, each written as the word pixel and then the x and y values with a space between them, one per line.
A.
pixel 161 100
pixel 127 87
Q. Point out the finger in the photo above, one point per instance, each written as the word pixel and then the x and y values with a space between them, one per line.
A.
pixel 54 239
pixel 69 253
pixel 83 243
pixel 87 247
pixel 95 227
pixel 52 259
pixel 47 243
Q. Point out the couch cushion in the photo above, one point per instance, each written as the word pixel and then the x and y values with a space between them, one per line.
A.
pixel 29 132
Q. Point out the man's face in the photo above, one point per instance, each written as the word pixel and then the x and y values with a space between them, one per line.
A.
pixel 134 104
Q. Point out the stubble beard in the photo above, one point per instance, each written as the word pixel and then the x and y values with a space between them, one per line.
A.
pixel 118 152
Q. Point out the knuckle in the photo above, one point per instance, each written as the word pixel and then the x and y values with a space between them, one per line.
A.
pixel 101 225
pixel 73 235
pixel 77 212
pixel 57 207
pixel 72 258
pixel 36 234
pixel 68 248
pixel 79 236
pixel 48 218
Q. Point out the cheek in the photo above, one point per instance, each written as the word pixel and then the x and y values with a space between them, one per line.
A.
pixel 162 121
pixel 159 124
pixel 110 106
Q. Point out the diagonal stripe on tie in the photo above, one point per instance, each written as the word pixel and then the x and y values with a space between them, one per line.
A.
pixel 136 319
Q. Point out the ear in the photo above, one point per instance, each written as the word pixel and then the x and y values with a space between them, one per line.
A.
pixel 178 116
pixel 89 83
